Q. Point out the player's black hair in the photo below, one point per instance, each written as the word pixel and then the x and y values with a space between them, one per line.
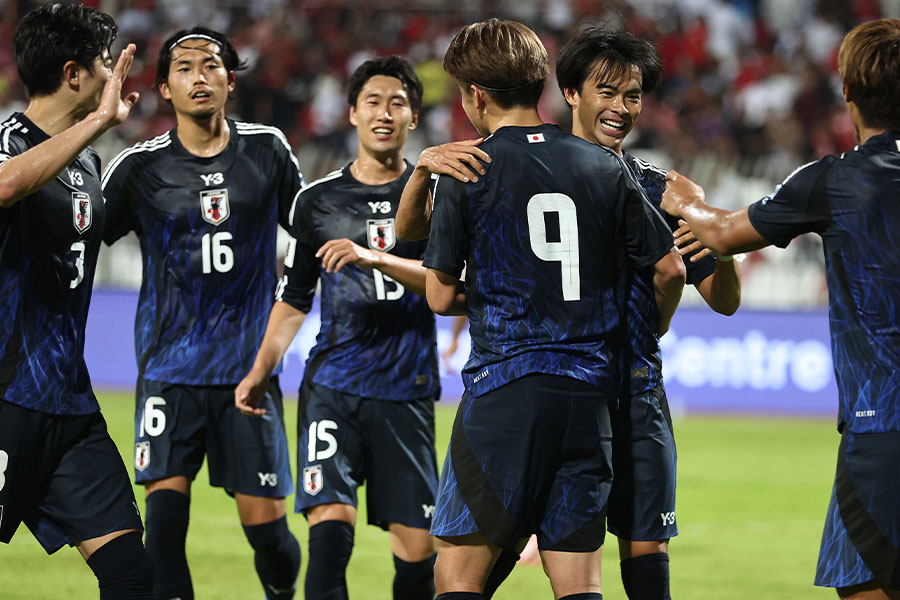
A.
pixel 389 66
pixel 612 54
pixel 50 36
pixel 230 58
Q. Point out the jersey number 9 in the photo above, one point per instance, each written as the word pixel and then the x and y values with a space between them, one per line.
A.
pixel 565 251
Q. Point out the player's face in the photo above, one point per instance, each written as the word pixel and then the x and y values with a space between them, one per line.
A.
pixel 92 84
pixel 198 83
pixel 605 111
pixel 382 116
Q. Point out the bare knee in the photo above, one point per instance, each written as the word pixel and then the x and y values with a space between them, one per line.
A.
pixel 334 511
pixel 411 544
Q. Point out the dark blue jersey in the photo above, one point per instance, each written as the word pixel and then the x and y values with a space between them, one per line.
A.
pixel 207 228
pixel 853 203
pixel 49 243
pixel 546 237
pixel 642 315
pixel 377 339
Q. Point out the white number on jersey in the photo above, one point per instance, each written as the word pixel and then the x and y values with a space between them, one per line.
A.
pixel 79 265
pixel 565 251
pixel 380 292
pixel 4 462
pixel 216 254
pixel 318 431
pixel 153 421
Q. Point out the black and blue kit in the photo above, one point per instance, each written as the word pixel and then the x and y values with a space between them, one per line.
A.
pixel 60 473
pixel 367 398
pixel 207 229
pixel 851 202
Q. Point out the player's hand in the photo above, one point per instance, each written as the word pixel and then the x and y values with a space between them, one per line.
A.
pixel 114 109
pixel 460 160
pixel 250 392
pixel 336 254
pixel 687 242
pixel 680 192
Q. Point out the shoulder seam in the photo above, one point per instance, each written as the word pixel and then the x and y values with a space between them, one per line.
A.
pixel 151 145
pixel 244 128
pixel 333 175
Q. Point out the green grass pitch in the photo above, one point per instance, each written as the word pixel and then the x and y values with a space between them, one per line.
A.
pixel 752 495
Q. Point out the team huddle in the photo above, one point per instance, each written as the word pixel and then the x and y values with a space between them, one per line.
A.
pixel 566 254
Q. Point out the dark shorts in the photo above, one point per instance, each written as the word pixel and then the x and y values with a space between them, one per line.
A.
pixel 63 477
pixel 861 541
pixel 642 501
pixel 176 425
pixel 345 440
pixel 533 456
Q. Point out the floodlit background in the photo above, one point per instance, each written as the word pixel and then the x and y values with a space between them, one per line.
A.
pixel 750 92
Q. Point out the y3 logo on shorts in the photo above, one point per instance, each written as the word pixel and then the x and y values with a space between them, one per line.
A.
pixel 428 509
pixel 319 432
pixel 268 479
pixel 668 518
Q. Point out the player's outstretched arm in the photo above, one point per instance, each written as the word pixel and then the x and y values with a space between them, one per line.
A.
pixel 284 322
pixel 668 284
pixel 444 293
pixel 28 172
pixel 460 160
pixel 723 232
pixel 409 272
pixel 721 289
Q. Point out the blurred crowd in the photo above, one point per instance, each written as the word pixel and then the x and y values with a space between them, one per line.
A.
pixel 750 87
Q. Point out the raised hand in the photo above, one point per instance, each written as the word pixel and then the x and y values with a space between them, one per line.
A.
pixel 113 108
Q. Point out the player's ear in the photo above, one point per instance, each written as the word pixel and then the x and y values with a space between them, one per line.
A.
pixel 478 95
pixel 164 90
pixel 415 120
pixel 846 94
pixel 572 96
pixel 231 81
pixel 353 120
pixel 71 74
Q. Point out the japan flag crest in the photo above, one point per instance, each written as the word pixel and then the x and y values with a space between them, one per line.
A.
pixel 312 480
pixel 82 211
pixel 141 456
pixel 214 206
pixel 381 234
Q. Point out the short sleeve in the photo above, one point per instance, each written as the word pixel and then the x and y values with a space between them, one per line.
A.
pixel 798 205
pixel 290 179
pixel 11 145
pixel 648 236
pixel 118 195
pixel 301 267
pixel 447 243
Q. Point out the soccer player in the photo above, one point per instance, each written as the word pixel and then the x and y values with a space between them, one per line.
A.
pixel 603 75
pixel 851 202
pixel 545 235
pixel 205 200
pixel 60 473
pixel 368 392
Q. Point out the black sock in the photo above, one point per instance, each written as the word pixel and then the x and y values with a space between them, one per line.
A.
pixel 123 568
pixel 460 596
pixel 585 596
pixel 277 557
pixel 414 580
pixel 167 524
pixel 499 572
pixel 330 545
pixel 647 577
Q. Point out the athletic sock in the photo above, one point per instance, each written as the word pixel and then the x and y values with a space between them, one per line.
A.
pixel 414 580
pixel 123 568
pixel 499 572
pixel 277 557
pixel 585 596
pixel 647 577
pixel 460 596
pixel 167 524
pixel 330 545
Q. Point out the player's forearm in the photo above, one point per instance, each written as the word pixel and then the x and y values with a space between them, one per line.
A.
pixel 30 171
pixel 722 289
pixel 668 284
pixel 413 214
pixel 407 272
pixel 445 293
pixel 284 323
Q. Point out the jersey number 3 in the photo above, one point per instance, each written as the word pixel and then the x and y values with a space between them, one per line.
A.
pixel 564 251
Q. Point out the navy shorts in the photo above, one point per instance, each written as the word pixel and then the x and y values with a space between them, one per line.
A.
pixel 63 477
pixel 345 440
pixel 861 541
pixel 176 425
pixel 533 456
pixel 642 501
